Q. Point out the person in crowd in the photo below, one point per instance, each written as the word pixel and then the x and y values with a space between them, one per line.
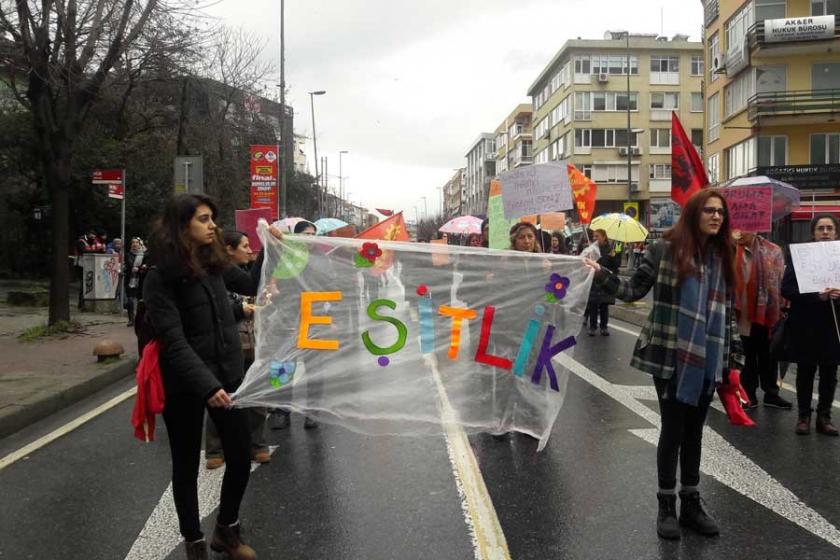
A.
pixel 280 418
pixel 238 248
pixel 485 233
pixel 759 265
pixel 88 243
pixel 558 244
pixel 132 268
pixel 685 345
pixel 638 251
pixel 186 299
pixel 523 237
pixel 815 339
pixel 114 247
pixel 598 307
pixel 474 240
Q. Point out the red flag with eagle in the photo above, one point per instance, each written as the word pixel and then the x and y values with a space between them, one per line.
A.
pixel 391 229
pixel 687 172
pixel 584 190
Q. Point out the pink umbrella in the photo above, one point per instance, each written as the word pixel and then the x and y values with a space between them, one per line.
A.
pixel 287 224
pixel 462 225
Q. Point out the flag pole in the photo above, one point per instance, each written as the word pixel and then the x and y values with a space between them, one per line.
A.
pixel 836 325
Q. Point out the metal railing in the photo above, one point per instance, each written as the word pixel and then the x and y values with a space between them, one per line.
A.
pixel 786 103
pixel 756 38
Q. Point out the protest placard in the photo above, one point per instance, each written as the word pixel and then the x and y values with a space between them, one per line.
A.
pixel 536 189
pixel 817 265
pixel 499 236
pixel 750 208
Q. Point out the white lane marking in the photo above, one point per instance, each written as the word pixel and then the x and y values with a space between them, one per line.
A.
pixel 160 536
pixel 625 330
pixel 65 429
pixel 489 541
pixel 720 460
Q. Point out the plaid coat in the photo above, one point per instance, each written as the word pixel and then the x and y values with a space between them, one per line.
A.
pixel 656 350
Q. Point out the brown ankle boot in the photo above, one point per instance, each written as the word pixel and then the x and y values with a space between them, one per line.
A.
pixel 825 427
pixel 226 539
pixel 197 550
pixel 803 425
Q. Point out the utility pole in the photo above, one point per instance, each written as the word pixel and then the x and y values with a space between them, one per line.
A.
pixel 284 159
pixel 629 132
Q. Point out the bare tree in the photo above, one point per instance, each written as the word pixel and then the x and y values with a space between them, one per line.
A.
pixel 57 56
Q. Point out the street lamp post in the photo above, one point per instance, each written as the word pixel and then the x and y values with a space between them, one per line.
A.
pixel 629 132
pixel 341 181
pixel 425 208
pixel 312 95
pixel 284 156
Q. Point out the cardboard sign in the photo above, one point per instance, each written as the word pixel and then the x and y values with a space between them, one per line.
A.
pixel 246 222
pixel 536 189
pixel 817 265
pixel 750 208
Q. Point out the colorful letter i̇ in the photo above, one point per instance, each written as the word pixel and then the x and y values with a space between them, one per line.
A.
pixel 427 320
pixel 528 339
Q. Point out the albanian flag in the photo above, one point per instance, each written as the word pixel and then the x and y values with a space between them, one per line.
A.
pixel 687 172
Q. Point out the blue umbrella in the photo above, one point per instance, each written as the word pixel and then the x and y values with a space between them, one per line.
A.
pixel 326 225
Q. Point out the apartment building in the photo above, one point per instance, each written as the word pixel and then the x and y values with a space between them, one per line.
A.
pixel 773 94
pixel 581 106
pixel 514 139
pixel 480 168
pixel 452 192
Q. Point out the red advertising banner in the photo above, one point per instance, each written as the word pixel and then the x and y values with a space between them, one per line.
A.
pixel 116 190
pixel 264 174
pixel 246 222
pixel 750 208
pixel 106 176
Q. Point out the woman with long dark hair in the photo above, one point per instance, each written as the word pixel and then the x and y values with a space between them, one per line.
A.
pixel 685 345
pixel 815 339
pixel 186 298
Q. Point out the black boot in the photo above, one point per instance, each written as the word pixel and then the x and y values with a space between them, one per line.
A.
pixel 197 550
pixel 694 516
pixel 666 522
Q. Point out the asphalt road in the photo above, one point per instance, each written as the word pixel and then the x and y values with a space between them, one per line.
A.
pixel 97 493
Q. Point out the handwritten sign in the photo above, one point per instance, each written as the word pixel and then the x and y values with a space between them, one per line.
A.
pixel 750 208
pixel 817 265
pixel 246 222
pixel 499 235
pixel 536 189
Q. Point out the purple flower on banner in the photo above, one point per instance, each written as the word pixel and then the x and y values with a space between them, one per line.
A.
pixel 556 288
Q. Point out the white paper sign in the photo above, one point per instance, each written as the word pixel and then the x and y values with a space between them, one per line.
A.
pixel 817 265
pixel 815 28
pixel 536 189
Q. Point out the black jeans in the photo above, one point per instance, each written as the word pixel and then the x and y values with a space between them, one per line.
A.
pixel 680 437
pixel 759 368
pixel 184 418
pixel 596 310
pixel 805 374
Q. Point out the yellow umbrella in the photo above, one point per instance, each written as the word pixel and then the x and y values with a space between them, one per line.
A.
pixel 620 227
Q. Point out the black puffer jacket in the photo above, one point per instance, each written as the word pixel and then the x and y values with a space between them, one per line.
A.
pixel 194 320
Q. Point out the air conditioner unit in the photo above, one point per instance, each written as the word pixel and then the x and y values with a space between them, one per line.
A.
pixel 718 67
pixel 636 151
pixel 622 151
pixel 603 78
pixel 634 187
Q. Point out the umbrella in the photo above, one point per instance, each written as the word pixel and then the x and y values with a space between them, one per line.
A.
pixel 620 227
pixel 785 196
pixel 326 225
pixel 462 225
pixel 287 224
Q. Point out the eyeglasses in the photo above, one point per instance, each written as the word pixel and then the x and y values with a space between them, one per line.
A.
pixel 825 228
pixel 711 211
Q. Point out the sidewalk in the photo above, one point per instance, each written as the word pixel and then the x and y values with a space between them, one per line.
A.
pixel 41 377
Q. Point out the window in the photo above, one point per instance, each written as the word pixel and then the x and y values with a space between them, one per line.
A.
pixel 696 102
pixel 583 138
pixel 740 159
pixel 603 138
pixel 666 100
pixel 713 117
pixel 825 7
pixel 772 151
pixel 586 170
pixel 613 172
pixel 825 149
pixel 696 65
pixel 714 55
pixel 614 64
pixel 770 79
pixel 582 64
pixel 825 76
pixel 660 171
pixel 660 137
pixel 604 101
pixel 664 64
pixel 713 168
pixel 583 106
pixel 769 9
pixel 738 92
pixel 541 157
pixel 736 27
pixel 542 128
pixel 697 137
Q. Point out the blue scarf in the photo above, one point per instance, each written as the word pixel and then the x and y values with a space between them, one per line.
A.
pixel 701 329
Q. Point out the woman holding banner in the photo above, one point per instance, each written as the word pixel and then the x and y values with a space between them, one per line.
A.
pixel 685 345
pixel 815 339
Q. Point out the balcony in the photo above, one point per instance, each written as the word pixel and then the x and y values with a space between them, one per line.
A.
pixel 820 36
pixel 794 107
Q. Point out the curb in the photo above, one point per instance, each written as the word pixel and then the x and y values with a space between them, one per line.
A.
pixel 50 404
pixel 627 315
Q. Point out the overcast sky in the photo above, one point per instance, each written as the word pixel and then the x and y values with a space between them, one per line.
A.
pixel 411 83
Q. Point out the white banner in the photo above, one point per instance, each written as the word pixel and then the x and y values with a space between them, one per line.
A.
pixel 815 28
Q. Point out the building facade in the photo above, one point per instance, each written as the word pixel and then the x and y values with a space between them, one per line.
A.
pixel 773 94
pixel 480 168
pixel 452 192
pixel 514 138
pixel 581 106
